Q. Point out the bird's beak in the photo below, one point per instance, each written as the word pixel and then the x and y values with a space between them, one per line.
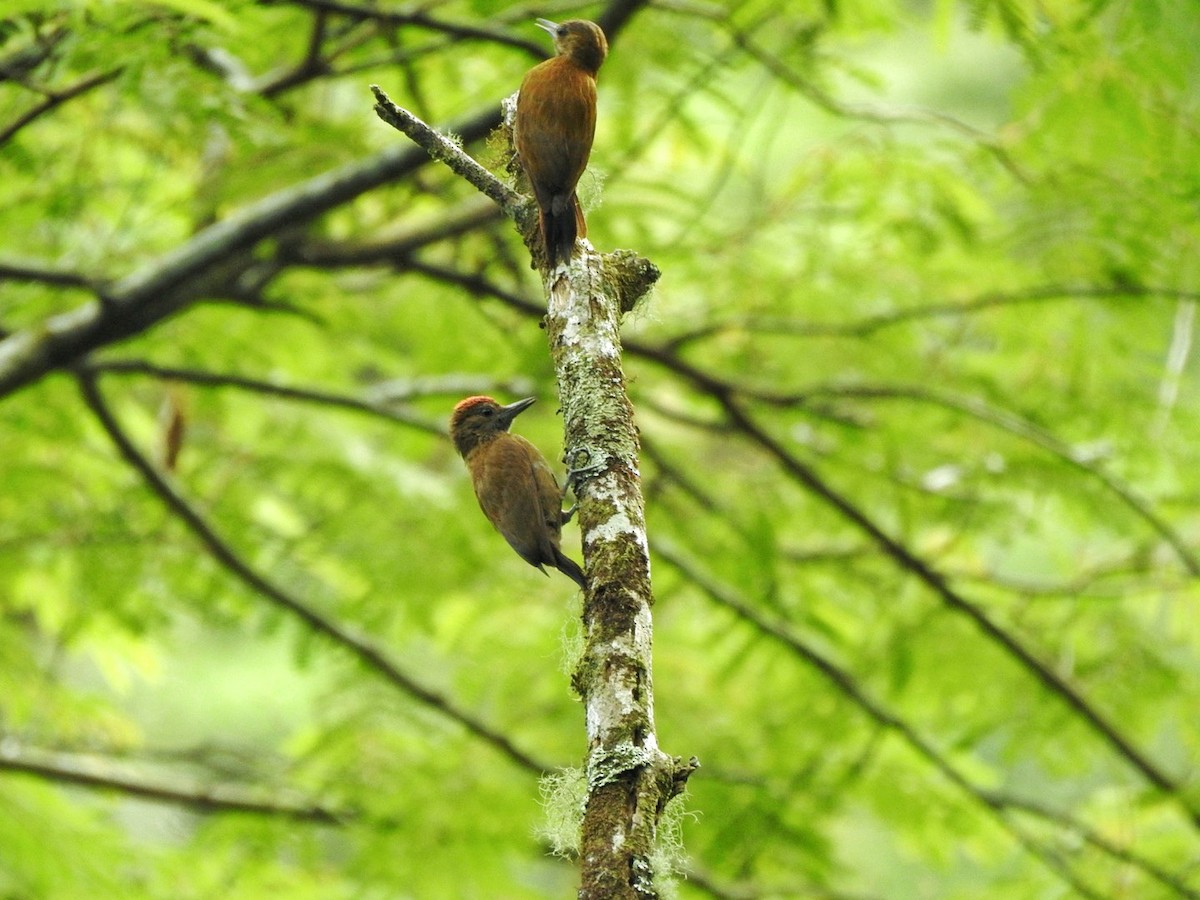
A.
pixel 551 27
pixel 510 412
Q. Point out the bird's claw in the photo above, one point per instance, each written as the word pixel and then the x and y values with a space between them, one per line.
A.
pixel 581 461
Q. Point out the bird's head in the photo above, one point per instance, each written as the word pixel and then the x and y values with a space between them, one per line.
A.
pixel 580 40
pixel 477 420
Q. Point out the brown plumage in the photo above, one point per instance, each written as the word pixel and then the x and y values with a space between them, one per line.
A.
pixel 513 482
pixel 554 127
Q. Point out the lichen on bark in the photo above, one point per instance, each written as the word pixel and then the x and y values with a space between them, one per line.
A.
pixel 630 780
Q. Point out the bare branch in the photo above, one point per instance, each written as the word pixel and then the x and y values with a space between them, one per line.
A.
pixel 421 19
pixel 616 15
pixel 1027 430
pixel 55 99
pixel 869 325
pixel 258 386
pixel 392 249
pixel 1008 421
pixel 203 265
pixel 630 780
pixel 478 285
pixel 42 274
pixel 378 400
pixel 936 582
pixel 998 299
pixel 91 772
pixel 18 65
pixel 311 66
pixel 447 151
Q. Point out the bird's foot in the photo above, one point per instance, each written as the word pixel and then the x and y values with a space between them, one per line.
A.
pixel 580 461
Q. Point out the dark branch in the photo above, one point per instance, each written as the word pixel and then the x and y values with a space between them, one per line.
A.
pixel 90 773
pixel 421 19
pixel 55 99
pixel 390 250
pixel 869 325
pixel 378 400
pixel 908 561
pixel 310 67
pixel 258 386
pixel 477 285
pixel 15 271
pixel 203 265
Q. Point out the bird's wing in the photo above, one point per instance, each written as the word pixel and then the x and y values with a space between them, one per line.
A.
pixel 555 126
pixel 548 493
pixel 516 498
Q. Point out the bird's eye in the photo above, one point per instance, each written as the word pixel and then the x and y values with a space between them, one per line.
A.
pixel 488 411
pixel 561 31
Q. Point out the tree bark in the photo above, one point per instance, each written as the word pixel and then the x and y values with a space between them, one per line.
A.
pixel 630 780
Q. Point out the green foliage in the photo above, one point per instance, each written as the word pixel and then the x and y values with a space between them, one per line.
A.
pixel 927 318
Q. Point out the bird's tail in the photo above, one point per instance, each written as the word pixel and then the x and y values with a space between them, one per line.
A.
pixel 562 223
pixel 570 568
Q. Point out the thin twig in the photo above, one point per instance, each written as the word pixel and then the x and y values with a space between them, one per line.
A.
pixel 91 773
pixel 259 386
pixel 859 112
pixel 392 249
pixel 447 151
pixel 56 99
pixel 418 18
pixel 869 325
pixel 41 274
pixel 310 67
pixel 1027 430
pixel 478 285
pixel 936 582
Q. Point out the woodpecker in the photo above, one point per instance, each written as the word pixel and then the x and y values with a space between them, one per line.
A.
pixel 554 127
pixel 513 482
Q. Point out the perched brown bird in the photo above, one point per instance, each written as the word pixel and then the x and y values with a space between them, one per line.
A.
pixel 513 482
pixel 554 127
